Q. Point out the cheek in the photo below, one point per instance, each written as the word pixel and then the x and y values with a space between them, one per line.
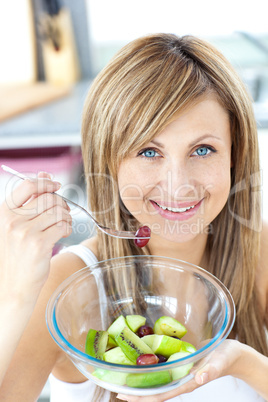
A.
pixel 219 183
pixel 133 183
pixel 130 188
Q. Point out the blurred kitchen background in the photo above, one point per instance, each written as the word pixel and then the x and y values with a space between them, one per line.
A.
pixel 50 50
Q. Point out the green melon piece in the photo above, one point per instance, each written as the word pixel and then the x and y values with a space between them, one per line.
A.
pixel 96 343
pixel 147 380
pixel 166 345
pixel 116 355
pixel 135 321
pixel 149 340
pixel 187 347
pixel 112 377
pixel 132 345
pixel 117 326
pixel 169 326
pixel 181 371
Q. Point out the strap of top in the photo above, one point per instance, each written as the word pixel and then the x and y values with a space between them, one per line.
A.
pixel 82 252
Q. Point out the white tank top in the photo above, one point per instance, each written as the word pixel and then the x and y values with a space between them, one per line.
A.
pixel 224 389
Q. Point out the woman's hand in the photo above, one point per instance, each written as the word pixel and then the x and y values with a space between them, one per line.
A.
pixel 33 219
pixel 225 360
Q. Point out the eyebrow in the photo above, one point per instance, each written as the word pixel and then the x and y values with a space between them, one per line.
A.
pixel 203 137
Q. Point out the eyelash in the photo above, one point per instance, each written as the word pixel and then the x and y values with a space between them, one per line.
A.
pixel 148 149
pixel 211 149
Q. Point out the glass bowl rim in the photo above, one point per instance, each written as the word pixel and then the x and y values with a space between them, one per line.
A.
pixel 73 352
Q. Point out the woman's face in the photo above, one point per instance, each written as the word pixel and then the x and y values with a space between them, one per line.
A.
pixel 180 181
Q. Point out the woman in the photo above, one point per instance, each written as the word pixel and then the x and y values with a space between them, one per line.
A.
pixel 169 140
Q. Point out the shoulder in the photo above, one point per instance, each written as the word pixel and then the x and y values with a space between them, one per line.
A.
pixel 92 244
pixel 65 264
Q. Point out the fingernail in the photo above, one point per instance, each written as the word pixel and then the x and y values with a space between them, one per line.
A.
pixel 57 184
pixel 48 175
pixel 204 378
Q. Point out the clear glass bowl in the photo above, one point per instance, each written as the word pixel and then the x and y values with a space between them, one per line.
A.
pixel 165 286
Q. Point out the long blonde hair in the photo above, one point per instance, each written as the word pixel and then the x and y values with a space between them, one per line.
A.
pixel 146 83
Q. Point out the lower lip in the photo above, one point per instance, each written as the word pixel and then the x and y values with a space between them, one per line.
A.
pixel 177 216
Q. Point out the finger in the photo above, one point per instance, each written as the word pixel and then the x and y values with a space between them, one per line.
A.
pixel 56 232
pixel 23 228
pixel 139 398
pixel 29 187
pixel 54 216
pixel 44 175
pixel 40 204
pixel 42 243
pixel 209 372
pixel 183 389
pixel 40 175
pixel 202 377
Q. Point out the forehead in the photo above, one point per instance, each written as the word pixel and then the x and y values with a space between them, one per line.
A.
pixel 206 115
pixel 202 115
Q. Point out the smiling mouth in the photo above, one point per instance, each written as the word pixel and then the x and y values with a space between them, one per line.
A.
pixel 180 210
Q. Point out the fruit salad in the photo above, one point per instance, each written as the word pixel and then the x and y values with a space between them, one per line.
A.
pixel 130 341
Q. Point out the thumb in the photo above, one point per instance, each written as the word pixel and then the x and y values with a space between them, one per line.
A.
pixel 208 373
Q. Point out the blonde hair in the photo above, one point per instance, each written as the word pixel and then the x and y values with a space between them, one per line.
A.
pixel 146 83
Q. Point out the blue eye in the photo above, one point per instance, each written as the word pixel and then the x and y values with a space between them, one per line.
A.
pixel 149 153
pixel 203 151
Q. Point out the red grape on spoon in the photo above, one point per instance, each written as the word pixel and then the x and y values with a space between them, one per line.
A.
pixel 143 231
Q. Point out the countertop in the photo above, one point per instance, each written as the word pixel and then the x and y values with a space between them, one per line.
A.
pixel 55 124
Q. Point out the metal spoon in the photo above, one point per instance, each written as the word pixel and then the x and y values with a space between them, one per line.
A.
pixel 123 234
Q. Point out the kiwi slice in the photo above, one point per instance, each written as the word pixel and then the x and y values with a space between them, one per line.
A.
pixel 116 355
pixel 169 326
pixel 147 380
pixel 132 345
pixel 96 343
pixel 135 321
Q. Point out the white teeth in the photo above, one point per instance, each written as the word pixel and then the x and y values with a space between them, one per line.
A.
pixel 175 209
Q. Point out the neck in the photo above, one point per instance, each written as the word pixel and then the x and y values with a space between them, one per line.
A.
pixel 192 251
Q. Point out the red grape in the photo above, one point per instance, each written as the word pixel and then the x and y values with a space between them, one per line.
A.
pixel 145 330
pixel 147 359
pixel 161 358
pixel 143 231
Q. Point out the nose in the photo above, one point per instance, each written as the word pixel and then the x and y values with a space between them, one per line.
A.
pixel 178 181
